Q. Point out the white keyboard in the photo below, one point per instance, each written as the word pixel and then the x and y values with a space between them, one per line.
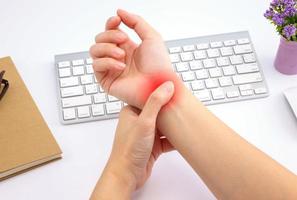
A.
pixel 217 69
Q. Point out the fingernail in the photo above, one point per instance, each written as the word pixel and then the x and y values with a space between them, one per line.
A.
pixel 168 87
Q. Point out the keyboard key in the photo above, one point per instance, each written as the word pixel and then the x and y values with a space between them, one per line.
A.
pixel 186 56
pixel 216 44
pixel 215 72
pixel 226 51
pixel 78 70
pixel 69 113
pixel 229 70
pixel 78 62
pixel 97 109
pixel 243 41
pixel 174 58
pixel 76 101
pixel 89 69
pixel 86 79
pixel 225 81
pixel 182 67
pixel 64 64
pixel 100 98
pixel 83 112
pixel 89 61
pixel 188 76
pixel 213 53
pixel 261 90
pixel 196 65
pixel 249 58
pixel 235 60
pixel 200 54
pixel 202 95
pixel 233 94
pixel 64 72
pixel 209 63
pixel 247 78
pixel 223 61
pixel 229 43
pixel 197 85
pixel 247 68
pixel 245 87
pixel 72 91
pixel 241 49
pixel 246 92
pixel 202 46
pixel 211 83
pixel 114 107
pixel 189 48
pixel 217 94
pixel 71 81
pixel 201 74
pixel 91 89
pixel 175 50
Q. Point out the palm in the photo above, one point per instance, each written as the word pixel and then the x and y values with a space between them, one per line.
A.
pixel 149 57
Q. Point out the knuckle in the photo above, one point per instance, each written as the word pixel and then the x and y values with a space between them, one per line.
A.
pixel 98 36
pixel 92 49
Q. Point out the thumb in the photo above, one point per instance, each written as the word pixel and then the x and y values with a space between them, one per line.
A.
pixel 156 100
pixel 140 26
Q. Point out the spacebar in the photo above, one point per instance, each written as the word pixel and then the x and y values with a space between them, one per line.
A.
pixel 76 101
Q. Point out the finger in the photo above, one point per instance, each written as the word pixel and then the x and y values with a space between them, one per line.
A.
pixel 106 50
pixel 113 23
pixel 166 145
pixel 105 64
pixel 111 36
pixel 141 27
pixel 157 99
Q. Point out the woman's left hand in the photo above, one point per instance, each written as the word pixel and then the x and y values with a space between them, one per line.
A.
pixel 136 147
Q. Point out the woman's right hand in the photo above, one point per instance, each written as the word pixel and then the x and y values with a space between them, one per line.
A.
pixel 127 70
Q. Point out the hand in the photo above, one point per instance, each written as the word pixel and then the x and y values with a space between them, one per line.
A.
pixel 136 147
pixel 127 70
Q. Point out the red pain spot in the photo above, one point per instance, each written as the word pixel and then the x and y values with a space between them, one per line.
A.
pixel 153 81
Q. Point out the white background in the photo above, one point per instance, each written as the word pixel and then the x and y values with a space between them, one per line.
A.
pixel 33 31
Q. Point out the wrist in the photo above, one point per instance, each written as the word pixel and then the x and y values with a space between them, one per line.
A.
pixel 176 113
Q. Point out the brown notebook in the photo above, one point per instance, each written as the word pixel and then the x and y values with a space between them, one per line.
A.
pixel 25 139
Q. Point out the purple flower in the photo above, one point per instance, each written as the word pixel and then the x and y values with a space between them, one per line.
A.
pixel 289 31
pixel 290 11
pixel 269 13
pixel 282 4
pixel 275 3
pixel 278 19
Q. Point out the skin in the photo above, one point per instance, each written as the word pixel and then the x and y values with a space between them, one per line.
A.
pixel 230 166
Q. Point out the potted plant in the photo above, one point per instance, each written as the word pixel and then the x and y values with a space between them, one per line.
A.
pixel 283 14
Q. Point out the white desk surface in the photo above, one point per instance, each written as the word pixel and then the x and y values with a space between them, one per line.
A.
pixel 33 31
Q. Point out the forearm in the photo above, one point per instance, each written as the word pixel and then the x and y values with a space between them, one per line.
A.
pixel 115 183
pixel 230 166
